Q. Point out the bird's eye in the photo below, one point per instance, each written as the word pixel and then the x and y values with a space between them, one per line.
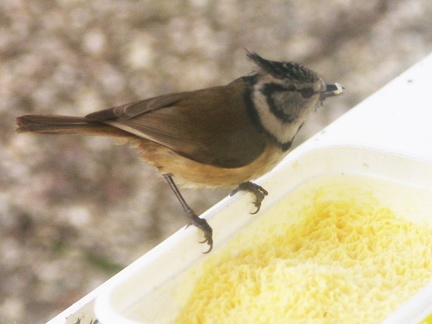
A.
pixel 307 92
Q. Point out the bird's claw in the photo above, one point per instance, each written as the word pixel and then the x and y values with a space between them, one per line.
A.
pixel 255 189
pixel 205 227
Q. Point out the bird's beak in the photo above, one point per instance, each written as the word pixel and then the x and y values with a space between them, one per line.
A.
pixel 333 90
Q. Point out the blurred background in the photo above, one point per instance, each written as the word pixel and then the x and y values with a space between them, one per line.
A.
pixel 76 210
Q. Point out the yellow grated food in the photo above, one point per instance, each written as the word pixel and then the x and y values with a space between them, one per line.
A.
pixel 427 320
pixel 343 258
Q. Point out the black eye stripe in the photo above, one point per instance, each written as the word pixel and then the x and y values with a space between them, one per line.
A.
pixel 272 87
pixel 268 89
pixel 307 92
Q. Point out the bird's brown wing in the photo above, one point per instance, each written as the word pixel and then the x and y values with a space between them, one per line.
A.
pixel 210 126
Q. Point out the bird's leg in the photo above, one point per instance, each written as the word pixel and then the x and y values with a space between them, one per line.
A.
pixel 192 217
pixel 253 188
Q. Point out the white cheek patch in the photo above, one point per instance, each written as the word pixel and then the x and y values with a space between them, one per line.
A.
pixel 283 132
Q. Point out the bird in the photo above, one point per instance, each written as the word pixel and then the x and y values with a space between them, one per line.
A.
pixel 218 137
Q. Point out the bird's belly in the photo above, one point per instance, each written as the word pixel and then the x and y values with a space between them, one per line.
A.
pixel 193 174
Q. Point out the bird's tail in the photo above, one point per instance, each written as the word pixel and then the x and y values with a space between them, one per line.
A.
pixel 50 124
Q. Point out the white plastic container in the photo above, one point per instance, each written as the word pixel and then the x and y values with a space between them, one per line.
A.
pixel 147 292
